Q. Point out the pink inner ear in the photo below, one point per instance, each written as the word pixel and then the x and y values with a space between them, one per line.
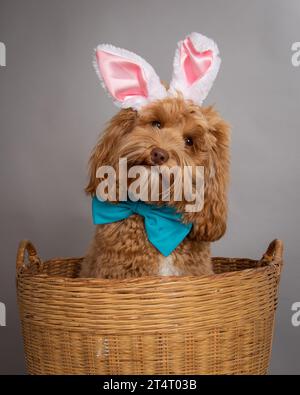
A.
pixel 194 63
pixel 123 78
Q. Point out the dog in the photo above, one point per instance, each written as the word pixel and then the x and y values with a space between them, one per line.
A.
pixel 161 127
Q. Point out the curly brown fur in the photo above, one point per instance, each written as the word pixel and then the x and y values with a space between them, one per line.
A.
pixel 121 249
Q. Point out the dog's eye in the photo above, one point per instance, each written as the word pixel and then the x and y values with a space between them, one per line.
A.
pixel 188 141
pixel 156 124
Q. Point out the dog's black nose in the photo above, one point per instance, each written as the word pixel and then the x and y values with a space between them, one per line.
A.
pixel 159 156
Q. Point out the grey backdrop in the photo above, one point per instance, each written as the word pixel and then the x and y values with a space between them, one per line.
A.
pixel 52 109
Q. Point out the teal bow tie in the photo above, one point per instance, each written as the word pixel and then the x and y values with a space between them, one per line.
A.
pixel 162 223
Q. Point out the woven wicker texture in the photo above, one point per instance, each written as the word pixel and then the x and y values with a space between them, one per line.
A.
pixel 220 324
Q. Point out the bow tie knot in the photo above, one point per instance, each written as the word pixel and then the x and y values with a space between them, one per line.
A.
pixel 137 208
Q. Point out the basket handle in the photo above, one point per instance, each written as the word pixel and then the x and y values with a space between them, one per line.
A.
pixel 274 254
pixel 27 246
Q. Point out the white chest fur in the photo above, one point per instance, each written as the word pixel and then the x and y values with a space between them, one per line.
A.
pixel 166 267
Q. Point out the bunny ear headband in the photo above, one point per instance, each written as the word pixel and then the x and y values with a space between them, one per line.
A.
pixel 132 82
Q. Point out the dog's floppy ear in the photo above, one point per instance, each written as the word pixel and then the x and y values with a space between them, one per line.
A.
pixel 210 223
pixel 196 65
pixel 103 153
pixel 128 78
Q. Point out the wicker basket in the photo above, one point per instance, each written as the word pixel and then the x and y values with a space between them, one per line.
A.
pixel 220 324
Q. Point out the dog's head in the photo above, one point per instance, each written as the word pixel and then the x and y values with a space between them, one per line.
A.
pixel 166 129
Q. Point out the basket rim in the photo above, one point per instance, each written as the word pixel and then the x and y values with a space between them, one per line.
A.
pixel 271 262
pixel 269 267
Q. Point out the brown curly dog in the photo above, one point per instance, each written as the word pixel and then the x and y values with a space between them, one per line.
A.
pixel 187 134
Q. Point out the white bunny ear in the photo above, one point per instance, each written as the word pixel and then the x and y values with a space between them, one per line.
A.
pixel 128 78
pixel 196 65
